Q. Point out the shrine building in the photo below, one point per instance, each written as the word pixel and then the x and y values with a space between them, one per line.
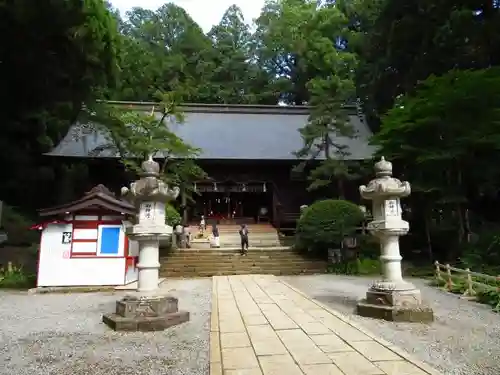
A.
pixel 247 152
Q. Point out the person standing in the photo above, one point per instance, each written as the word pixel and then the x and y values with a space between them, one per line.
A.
pixel 203 225
pixel 244 239
pixel 215 234
pixel 178 235
pixel 186 234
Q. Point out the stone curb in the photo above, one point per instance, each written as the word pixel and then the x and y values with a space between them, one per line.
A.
pixel 423 366
pixel 65 290
pixel 215 355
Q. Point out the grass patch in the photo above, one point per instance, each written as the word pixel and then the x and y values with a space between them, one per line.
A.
pixel 356 267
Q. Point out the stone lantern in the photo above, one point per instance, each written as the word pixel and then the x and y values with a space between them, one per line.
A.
pixel 147 309
pixel 390 298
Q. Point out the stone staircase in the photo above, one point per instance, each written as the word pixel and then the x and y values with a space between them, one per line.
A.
pixel 260 236
pixel 213 262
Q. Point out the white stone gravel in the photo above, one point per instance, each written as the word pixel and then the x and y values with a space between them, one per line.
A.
pixel 62 334
pixel 463 340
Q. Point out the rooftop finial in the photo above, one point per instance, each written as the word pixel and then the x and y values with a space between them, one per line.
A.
pixel 150 167
pixel 383 168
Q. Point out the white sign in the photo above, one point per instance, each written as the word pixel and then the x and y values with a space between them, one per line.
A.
pixel 392 208
pixel 147 211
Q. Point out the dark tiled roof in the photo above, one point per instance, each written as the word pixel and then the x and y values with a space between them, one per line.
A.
pixel 99 197
pixel 242 132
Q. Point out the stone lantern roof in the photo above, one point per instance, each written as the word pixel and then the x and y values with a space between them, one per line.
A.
pixel 384 185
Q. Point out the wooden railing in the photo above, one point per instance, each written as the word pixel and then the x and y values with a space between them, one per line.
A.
pixel 470 280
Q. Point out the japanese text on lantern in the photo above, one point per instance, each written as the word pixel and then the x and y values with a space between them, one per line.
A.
pixel 392 208
pixel 147 211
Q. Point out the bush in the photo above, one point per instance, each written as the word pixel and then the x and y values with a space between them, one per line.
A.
pixel 368 247
pixel 487 295
pixel 326 223
pixel 172 216
pixel 359 267
pixel 14 277
pixel 18 227
pixel 483 255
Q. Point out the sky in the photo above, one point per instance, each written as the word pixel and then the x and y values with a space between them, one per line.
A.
pixel 205 12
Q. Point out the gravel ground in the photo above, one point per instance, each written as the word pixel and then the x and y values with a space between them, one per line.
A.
pixel 464 339
pixel 62 334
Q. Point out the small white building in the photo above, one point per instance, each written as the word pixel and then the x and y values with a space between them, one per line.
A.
pixel 84 243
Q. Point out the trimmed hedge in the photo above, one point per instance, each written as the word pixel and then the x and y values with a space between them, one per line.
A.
pixel 326 223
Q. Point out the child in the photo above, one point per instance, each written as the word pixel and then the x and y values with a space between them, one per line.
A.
pixel 244 239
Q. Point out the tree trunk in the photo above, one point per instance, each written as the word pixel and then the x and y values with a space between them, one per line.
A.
pixel 341 190
pixel 427 226
pixel 461 223
pixel 184 206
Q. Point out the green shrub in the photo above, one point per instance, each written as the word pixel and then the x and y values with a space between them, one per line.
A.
pixel 172 216
pixel 358 267
pixel 482 255
pixel 326 223
pixel 489 297
pixel 368 266
pixel 15 278
pixel 18 227
pixel 368 247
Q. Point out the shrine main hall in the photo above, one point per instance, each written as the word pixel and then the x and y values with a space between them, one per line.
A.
pixel 247 151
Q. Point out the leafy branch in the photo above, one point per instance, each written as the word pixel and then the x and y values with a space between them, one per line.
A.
pixel 133 135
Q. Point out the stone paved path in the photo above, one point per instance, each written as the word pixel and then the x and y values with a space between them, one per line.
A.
pixel 263 326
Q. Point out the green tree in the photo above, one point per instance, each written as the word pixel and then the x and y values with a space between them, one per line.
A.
pixel 237 78
pixel 404 42
pixel 55 56
pixel 134 135
pixel 445 138
pixel 305 45
pixel 176 54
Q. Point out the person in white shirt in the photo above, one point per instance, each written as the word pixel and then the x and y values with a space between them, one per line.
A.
pixel 203 225
pixel 187 235
pixel 178 235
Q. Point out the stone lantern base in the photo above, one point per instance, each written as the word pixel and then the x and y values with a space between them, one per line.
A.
pixel 145 314
pixel 395 306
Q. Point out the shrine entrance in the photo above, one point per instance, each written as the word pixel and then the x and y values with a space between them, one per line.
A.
pixel 229 201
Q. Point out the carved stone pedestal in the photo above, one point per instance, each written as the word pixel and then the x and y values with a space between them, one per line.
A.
pixel 145 314
pixel 396 306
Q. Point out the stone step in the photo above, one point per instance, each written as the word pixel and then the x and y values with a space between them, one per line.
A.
pixel 276 261
pixel 232 246
pixel 230 254
pixel 258 271
pixel 235 258
pixel 236 264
